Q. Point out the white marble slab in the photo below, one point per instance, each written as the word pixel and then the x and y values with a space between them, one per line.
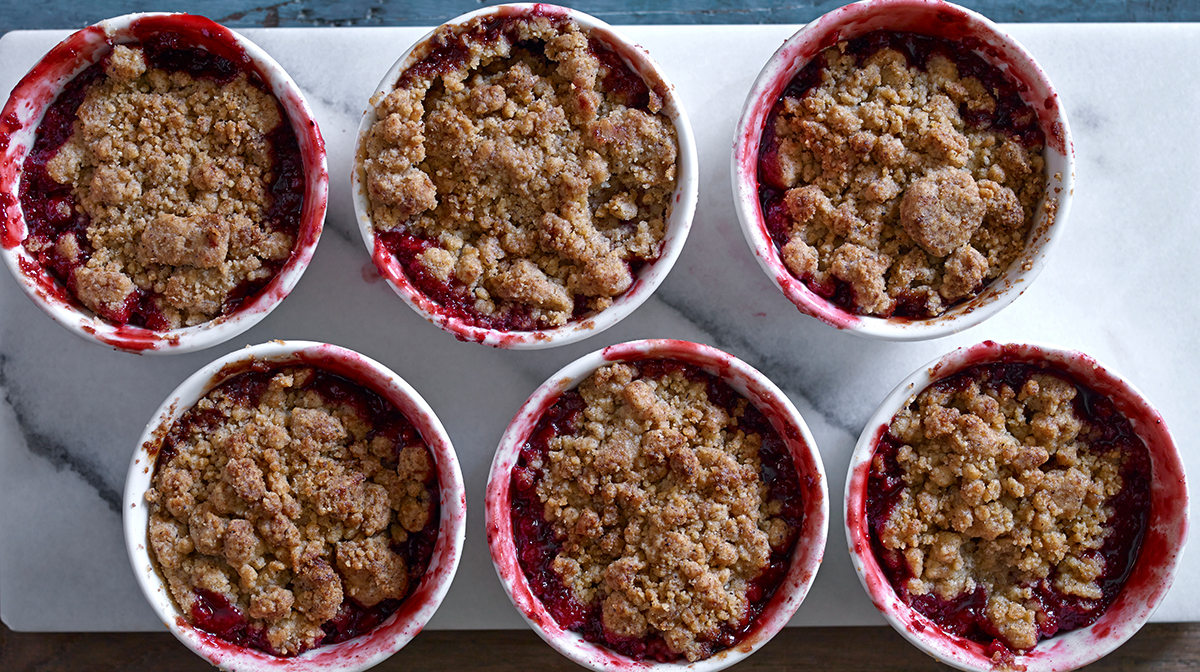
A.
pixel 1120 286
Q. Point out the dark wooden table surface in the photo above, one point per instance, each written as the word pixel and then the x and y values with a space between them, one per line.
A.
pixel 1158 647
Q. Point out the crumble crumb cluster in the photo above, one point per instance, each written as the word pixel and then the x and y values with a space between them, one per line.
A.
pixel 890 191
pixel 172 171
pixel 664 518
pixel 287 507
pixel 1001 490
pixel 537 184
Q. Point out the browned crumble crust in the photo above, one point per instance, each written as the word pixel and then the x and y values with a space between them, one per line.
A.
pixel 172 171
pixel 666 520
pixel 535 183
pixel 285 508
pixel 890 192
pixel 1000 492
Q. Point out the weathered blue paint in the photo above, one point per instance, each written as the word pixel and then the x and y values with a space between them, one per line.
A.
pixel 22 14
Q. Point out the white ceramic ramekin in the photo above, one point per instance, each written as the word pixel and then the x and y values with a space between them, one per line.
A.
pixel 23 114
pixel 927 17
pixel 1162 546
pixel 352 655
pixel 810 546
pixel 679 222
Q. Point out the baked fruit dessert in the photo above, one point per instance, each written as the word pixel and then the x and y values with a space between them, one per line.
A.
pixel 520 172
pixel 655 511
pixel 166 183
pixel 292 508
pixel 1007 503
pixel 899 174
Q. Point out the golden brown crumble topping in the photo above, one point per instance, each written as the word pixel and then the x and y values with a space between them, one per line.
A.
pixel 659 500
pixel 172 172
pixel 536 184
pixel 889 191
pixel 1001 492
pixel 285 508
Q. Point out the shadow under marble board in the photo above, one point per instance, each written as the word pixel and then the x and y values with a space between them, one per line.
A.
pixel 1119 286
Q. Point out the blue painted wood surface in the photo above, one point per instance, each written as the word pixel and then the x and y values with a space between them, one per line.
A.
pixel 26 14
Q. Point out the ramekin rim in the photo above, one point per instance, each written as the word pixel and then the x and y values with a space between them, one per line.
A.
pixel 358 653
pixel 1064 651
pixel 679 222
pixel 82 47
pixel 998 295
pixel 805 562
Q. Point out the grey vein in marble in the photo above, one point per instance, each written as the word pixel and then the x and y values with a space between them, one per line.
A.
pixel 54 450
